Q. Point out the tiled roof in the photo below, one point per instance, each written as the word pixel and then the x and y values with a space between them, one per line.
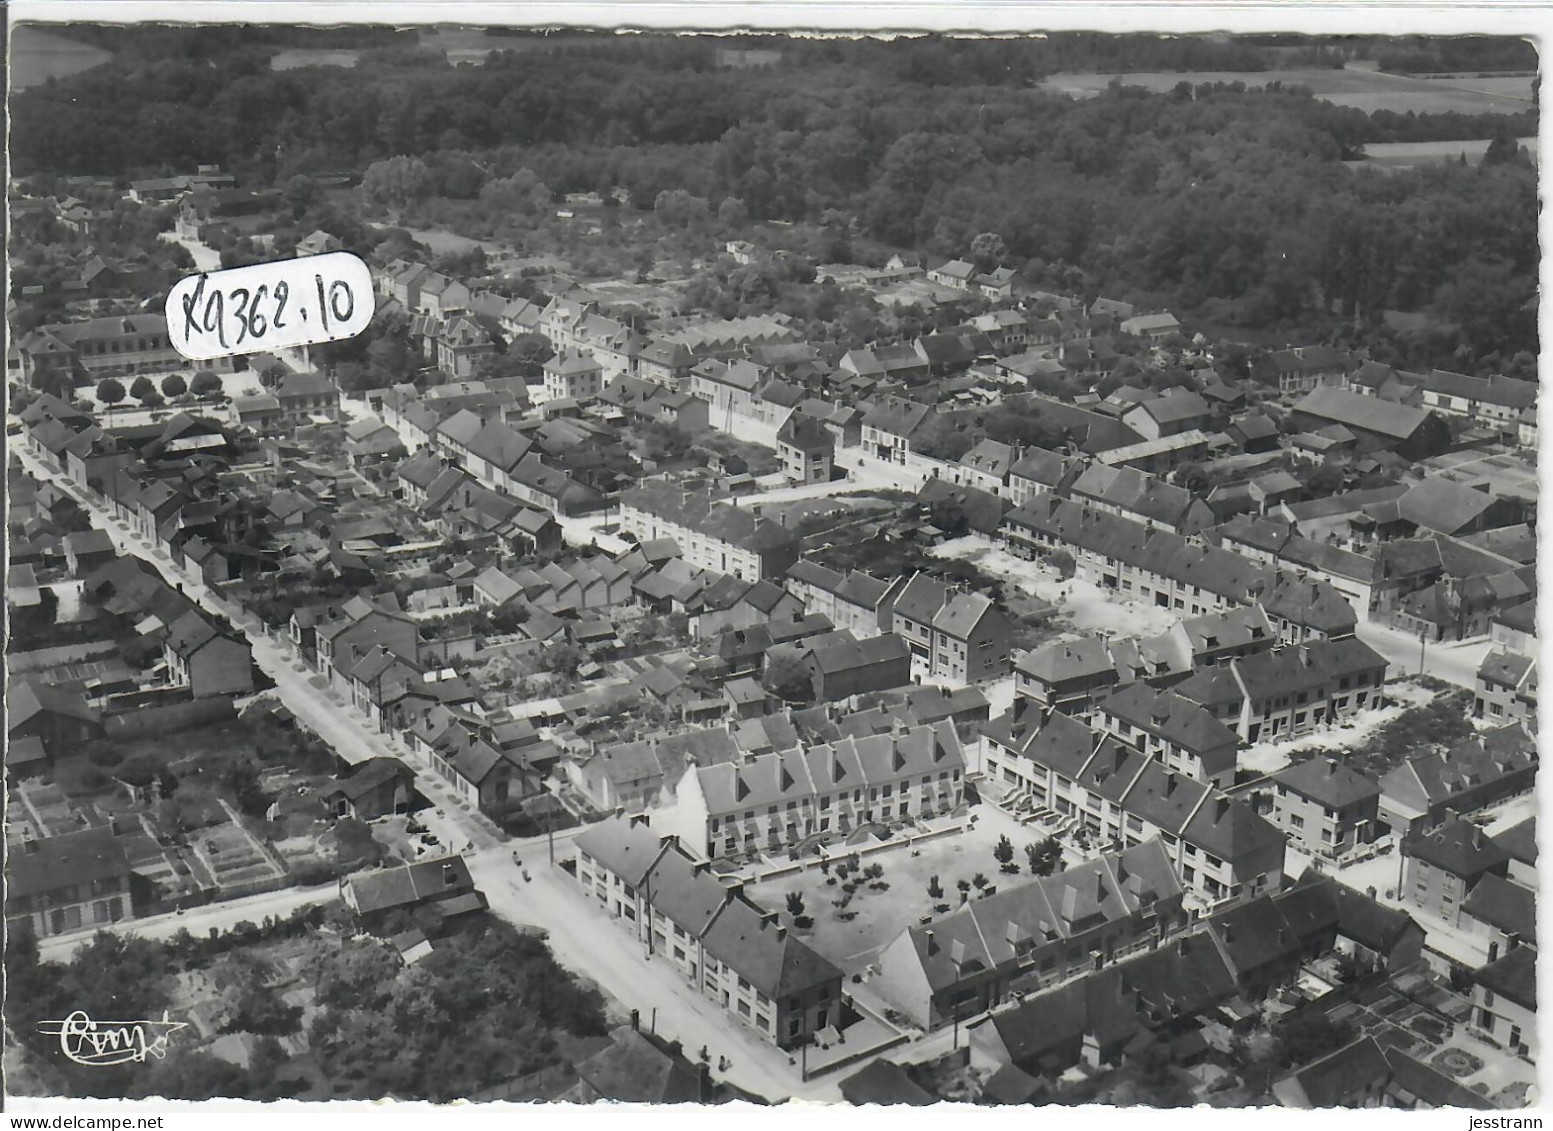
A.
pixel 1329 782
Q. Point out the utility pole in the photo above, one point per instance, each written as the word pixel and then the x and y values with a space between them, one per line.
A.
pixel 1423 635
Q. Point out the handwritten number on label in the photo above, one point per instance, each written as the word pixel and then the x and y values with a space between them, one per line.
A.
pixel 241 312
pixel 215 311
pixel 256 320
pixel 247 309
pixel 336 289
pixel 190 305
pixel 323 305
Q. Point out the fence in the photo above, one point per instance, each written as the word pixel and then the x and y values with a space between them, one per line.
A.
pixel 168 719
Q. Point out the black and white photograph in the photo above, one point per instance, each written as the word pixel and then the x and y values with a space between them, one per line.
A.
pixel 574 563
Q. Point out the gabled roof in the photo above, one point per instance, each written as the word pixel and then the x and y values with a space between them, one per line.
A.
pixel 75 859
pixel 1329 782
pixel 1341 1079
pixel 884 1082
pixel 1506 906
pixel 367 776
pixel 26 698
pixel 1513 976
pixel 1354 410
pixel 633 1069
pixel 410 884
pixel 1458 847
pixel 1520 841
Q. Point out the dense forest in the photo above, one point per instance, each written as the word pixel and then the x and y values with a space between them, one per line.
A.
pixel 1225 203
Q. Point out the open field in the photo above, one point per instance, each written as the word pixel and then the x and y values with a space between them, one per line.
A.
pixel 37 56
pixel 1407 154
pixel 1362 90
pixel 296 57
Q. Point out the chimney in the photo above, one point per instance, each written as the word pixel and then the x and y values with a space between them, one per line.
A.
pixel 781 932
pixel 1182 946
pixel 1221 807
pixel 639 819
pixel 1170 782
pixel 449 874
pixel 1228 931
pixel 699 866
pixel 636 1020
pixel 932 947
pixel 1331 767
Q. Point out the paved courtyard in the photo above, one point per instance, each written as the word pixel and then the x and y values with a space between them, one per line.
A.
pixel 880 916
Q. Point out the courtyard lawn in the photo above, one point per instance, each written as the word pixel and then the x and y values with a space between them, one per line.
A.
pixel 880 916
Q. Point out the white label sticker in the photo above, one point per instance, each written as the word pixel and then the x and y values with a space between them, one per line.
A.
pixel 270 306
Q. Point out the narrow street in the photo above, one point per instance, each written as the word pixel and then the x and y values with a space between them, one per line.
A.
pixel 197 921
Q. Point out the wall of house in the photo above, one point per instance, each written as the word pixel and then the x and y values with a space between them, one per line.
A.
pixel 221 667
pixel 1505 1022
pixel 1316 828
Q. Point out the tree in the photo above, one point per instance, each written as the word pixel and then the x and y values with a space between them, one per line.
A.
pixel 1193 476
pixel 564 658
pixel 788 678
pixel 935 890
pixel 110 391
pixel 988 250
pixel 205 382
pixel 242 781
pixel 302 192
pixel 965 889
pixel 271 374
pixel 979 880
pixel 794 904
pixel 1306 1036
pixel 1044 856
pixel 397 181
pixel 141 387
pixel 530 352
pixel 173 385
pixel 732 214
pixel 1003 853
pixel 1062 561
